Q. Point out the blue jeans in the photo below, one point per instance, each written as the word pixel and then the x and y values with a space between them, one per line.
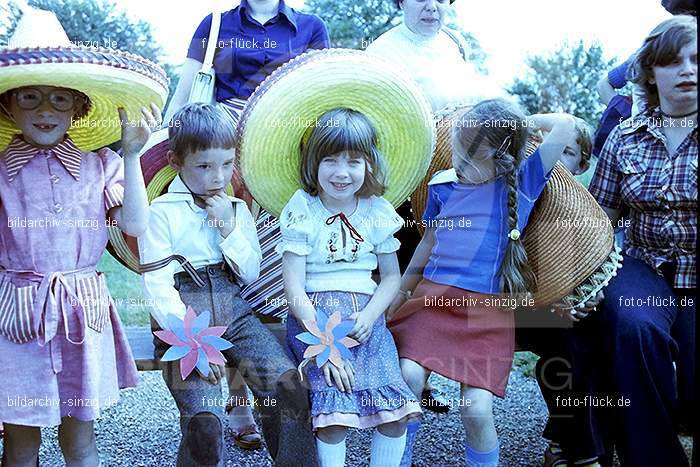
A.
pixel 641 328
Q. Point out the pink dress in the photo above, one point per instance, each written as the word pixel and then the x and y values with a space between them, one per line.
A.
pixel 63 351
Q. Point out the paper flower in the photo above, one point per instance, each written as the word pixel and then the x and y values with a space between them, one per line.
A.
pixel 331 344
pixel 193 343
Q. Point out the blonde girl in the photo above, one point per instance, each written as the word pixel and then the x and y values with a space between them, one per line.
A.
pixel 453 313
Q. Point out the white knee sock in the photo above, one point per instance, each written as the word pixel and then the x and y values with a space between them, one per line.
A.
pixel 330 455
pixel 386 451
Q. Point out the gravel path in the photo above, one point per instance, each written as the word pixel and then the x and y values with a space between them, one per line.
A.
pixel 142 430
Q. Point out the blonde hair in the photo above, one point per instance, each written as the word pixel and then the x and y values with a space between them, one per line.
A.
pixel 340 130
pixel 660 48
pixel 198 127
pixel 501 124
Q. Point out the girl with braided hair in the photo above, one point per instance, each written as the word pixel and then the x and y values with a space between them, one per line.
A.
pixel 454 314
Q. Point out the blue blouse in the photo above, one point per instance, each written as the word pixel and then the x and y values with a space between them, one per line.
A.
pixel 471 228
pixel 247 51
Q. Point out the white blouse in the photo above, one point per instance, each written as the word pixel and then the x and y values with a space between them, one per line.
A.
pixel 340 249
pixel 178 226
pixel 436 64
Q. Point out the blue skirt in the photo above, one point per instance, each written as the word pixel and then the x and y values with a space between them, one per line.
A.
pixel 380 394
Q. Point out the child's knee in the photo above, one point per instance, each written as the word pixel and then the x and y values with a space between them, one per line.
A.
pixel 333 434
pixel 203 436
pixel 477 404
pixel 21 444
pixel 291 396
pixel 79 448
pixel 414 375
pixel 77 439
pixel 478 411
pixel 393 429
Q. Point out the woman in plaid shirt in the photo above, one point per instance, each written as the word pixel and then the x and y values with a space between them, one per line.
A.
pixel 648 171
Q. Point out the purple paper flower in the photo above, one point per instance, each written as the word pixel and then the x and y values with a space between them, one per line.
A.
pixel 331 344
pixel 193 343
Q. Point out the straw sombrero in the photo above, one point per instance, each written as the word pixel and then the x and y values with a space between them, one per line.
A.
pixel 279 113
pixel 157 175
pixel 41 54
pixel 569 240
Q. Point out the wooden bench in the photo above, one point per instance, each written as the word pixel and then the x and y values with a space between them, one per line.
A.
pixel 141 342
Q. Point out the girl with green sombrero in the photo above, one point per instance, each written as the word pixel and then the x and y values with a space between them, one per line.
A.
pixel 63 351
pixel 331 140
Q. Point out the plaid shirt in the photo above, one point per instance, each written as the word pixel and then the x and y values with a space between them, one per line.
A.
pixel 660 189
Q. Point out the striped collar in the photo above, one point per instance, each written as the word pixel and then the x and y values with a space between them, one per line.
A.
pixel 19 153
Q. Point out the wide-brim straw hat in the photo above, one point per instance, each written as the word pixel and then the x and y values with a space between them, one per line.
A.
pixel 157 175
pixel 40 54
pixel 569 240
pixel 280 111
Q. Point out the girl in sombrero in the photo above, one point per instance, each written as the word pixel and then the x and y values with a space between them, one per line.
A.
pixel 454 314
pixel 335 231
pixel 330 143
pixel 63 351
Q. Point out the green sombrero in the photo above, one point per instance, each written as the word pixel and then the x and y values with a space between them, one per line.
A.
pixel 41 54
pixel 280 111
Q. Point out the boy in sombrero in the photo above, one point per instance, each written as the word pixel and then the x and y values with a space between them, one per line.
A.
pixel 63 352
pixel 216 234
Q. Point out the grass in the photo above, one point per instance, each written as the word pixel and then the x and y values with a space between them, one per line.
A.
pixel 126 288
pixel 525 363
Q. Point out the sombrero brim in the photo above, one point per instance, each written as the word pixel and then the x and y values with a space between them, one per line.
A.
pixel 569 240
pixel 110 78
pixel 294 96
pixel 157 175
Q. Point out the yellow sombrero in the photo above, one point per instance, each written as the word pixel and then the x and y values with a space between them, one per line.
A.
pixel 41 54
pixel 279 113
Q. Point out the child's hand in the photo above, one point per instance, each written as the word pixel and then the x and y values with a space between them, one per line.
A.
pixel 220 212
pixel 363 326
pixel 134 137
pixel 216 373
pixel 344 377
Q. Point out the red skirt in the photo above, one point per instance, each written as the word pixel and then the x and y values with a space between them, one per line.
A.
pixel 465 336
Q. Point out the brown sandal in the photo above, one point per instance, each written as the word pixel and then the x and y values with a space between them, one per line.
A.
pixel 247 436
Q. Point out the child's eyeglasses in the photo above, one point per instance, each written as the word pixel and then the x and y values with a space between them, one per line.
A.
pixel 61 100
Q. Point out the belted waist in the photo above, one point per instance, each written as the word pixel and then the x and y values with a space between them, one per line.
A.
pixel 54 295
pixel 199 275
